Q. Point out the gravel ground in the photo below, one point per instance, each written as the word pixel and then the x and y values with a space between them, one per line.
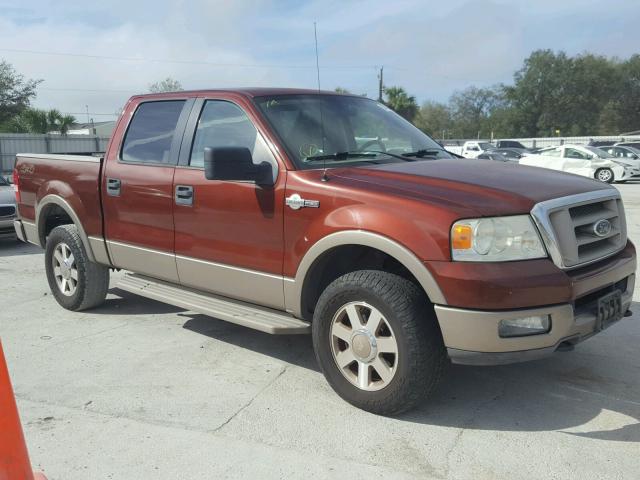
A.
pixel 137 389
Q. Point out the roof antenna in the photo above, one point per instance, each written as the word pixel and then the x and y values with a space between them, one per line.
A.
pixel 325 178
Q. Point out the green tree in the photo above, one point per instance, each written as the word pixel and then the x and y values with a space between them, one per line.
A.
pixel 34 120
pixel 537 93
pixel 16 93
pixel 166 85
pixel 610 121
pixel 400 102
pixel 554 91
pixel 471 110
pixel 341 90
pixel 434 118
pixel 629 96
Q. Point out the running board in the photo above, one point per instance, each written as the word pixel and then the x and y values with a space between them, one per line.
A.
pixel 233 311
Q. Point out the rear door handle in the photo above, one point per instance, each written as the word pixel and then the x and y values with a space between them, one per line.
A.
pixel 184 195
pixel 113 187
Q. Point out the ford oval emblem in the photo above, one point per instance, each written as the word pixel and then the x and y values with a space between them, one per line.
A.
pixel 602 228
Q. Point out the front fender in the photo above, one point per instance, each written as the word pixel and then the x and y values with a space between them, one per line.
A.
pixel 293 287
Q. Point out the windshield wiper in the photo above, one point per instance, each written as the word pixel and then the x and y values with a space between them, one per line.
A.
pixel 409 156
pixel 341 156
pixel 394 155
pixel 427 152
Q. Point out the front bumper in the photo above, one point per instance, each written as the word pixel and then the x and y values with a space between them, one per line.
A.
pixel 471 336
pixel 480 296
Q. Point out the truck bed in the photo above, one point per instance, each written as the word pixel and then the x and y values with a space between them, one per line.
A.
pixel 73 178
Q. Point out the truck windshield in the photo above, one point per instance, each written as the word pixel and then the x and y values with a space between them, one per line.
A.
pixel 333 130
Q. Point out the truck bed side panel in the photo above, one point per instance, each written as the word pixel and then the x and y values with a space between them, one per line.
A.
pixel 76 179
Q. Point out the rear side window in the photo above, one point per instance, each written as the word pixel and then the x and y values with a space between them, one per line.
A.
pixel 555 152
pixel 150 133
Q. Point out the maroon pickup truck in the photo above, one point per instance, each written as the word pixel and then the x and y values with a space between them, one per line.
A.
pixel 294 211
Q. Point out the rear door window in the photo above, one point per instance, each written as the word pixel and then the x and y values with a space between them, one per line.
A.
pixel 573 153
pixel 150 133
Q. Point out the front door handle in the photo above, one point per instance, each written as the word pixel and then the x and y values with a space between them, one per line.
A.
pixel 113 187
pixel 184 195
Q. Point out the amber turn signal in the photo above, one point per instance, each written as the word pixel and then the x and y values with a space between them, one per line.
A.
pixel 461 238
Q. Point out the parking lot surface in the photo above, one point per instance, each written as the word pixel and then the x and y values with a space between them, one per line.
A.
pixel 138 389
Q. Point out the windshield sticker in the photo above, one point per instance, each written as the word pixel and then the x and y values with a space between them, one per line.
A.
pixel 309 150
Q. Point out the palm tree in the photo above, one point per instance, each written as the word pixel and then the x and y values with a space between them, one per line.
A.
pixel 65 122
pixel 400 102
pixel 33 120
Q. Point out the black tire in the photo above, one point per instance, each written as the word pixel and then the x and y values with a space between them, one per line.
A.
pixel 606 174
pixel 93 279
pixel 421 356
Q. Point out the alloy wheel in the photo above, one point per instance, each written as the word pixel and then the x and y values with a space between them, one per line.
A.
pixel 65 270
pixel 364 346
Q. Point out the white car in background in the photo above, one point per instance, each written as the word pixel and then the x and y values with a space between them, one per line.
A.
pixel 582 160
pixel 473 149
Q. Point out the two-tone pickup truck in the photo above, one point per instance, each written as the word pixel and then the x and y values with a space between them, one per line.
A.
pixel 293 211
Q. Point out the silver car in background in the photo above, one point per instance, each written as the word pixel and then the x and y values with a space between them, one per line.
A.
pixel 7 208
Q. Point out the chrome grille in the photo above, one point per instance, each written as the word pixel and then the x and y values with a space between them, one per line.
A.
pixel 7 210
pixel 567 226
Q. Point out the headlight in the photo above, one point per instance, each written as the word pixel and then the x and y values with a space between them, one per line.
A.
pixel 497 239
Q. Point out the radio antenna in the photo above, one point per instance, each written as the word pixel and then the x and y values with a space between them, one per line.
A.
pixel 325 178
pixel 315 36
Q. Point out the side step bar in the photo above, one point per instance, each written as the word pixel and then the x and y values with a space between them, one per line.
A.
pixel 259 318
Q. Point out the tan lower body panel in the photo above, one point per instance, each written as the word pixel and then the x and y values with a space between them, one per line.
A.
pixel 247 285
pixel 143 260
pixel 31 233
pixel 99 249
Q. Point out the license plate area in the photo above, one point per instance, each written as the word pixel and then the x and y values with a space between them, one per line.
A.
pixel 609 309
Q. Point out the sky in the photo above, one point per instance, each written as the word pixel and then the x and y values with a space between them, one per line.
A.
pixel 94 55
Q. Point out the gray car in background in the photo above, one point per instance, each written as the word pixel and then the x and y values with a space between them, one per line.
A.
pixel 7 208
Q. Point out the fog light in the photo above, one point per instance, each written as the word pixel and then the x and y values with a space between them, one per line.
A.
pixel 522 327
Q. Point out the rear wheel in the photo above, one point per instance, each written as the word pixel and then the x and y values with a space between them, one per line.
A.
pixel 604 175
pixel 377 341
pixel 76 283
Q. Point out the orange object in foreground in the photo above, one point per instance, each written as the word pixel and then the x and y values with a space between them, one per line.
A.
pixel 14 458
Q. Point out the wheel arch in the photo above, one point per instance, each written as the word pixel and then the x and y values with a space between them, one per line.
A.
pixel 47 206
pixel 297 289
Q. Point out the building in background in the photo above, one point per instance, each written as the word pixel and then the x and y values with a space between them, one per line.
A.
pixel 100 129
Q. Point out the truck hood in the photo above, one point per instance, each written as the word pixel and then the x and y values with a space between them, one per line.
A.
pixel 478 187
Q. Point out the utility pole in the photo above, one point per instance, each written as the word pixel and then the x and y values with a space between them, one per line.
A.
pixel 380 84
pixel 87 109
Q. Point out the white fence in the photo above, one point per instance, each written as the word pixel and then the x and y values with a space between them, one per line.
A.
pixel 12 143
pixel 542 142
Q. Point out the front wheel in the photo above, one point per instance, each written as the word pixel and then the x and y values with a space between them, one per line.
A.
pixel 76 282
pixel 377 341
pixel 604 175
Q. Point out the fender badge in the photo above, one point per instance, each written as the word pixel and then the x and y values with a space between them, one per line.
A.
pixel 296 202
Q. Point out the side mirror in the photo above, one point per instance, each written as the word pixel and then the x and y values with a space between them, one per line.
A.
pixel 235 164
